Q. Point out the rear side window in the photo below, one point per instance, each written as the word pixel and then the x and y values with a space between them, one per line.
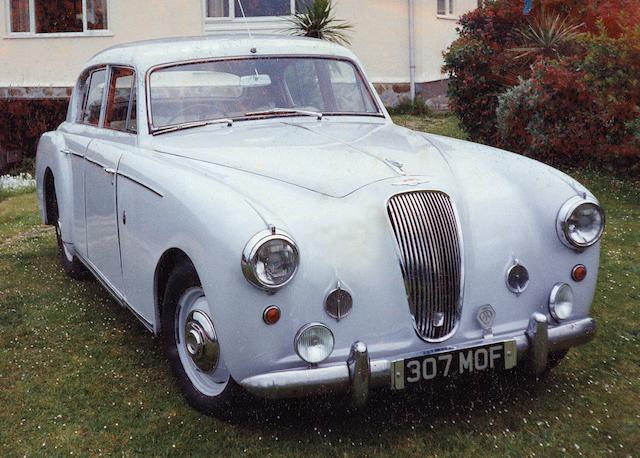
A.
pixel 120 110
pixel 93 99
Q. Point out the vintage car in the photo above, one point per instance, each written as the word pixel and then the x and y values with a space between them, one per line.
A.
pixel 252 202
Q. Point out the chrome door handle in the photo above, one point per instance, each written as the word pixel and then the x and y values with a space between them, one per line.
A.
pixel 110 171
pixel 65 151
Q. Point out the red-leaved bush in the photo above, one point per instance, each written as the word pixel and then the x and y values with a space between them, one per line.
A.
pixel 579 108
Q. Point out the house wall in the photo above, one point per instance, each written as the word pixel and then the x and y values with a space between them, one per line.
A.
pixel 380 38
pixel 37 73
pixel 46 61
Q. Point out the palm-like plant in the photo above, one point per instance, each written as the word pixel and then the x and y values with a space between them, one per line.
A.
pixel 317 20
pixel 549 35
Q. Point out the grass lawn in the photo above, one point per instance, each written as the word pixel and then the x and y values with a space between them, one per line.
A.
pixel 79 375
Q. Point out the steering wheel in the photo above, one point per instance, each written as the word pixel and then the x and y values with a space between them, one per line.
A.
pixel 194 109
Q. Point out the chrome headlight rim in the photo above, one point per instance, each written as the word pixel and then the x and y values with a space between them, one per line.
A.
pixel 305 328
pixel 251 250
pixel 567 209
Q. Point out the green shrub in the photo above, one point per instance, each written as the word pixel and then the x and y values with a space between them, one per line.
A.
pixel 405 106
pixel 557 117
pixel 479 67
pixel 538 87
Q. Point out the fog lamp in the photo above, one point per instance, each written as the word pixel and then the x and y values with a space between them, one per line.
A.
pixel 314 343
pixel 561 301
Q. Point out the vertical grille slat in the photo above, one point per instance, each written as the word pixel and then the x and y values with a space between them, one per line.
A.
pixel 426 231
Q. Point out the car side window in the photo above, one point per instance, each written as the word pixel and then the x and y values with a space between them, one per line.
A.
pixel 93 99
pixel 120 99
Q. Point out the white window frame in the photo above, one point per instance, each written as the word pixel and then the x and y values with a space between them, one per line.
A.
pixel 238 17
pixel 32 24
pixel 450 10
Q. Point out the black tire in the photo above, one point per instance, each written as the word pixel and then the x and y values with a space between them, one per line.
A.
pixel 74 267
pixel 228 403
pixel 555 358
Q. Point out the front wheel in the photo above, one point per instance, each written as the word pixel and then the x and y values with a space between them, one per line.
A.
pixel 192 346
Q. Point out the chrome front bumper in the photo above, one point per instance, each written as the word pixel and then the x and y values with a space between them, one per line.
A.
pixel 360 374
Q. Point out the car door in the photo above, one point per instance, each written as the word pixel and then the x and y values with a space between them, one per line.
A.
pixel 102 158
pixel 78 135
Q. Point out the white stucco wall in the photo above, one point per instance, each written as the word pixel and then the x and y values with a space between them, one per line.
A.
pixel 380 37
pixel 57 61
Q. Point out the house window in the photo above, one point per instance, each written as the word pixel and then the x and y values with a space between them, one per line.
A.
pixel 446 7
pixel 58 16
pixel 253 8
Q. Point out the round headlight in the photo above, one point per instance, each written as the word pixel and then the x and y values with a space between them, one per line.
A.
pixel 270 260
pixel 561 301
pixel 314 343
pixel 580 222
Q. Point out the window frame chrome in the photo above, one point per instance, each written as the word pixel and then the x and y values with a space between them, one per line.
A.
pixel 147 80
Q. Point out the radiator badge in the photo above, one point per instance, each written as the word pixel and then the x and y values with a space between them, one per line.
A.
pixel 486 315
pixel 412 181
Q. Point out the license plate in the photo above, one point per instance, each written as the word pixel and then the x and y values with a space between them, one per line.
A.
pixel 500 355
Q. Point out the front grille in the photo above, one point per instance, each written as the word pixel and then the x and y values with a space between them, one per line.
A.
pixel 426 231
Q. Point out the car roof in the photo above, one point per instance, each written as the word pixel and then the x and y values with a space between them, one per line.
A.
pixel 149 53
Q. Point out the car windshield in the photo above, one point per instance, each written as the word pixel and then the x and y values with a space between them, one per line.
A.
pixel 257 87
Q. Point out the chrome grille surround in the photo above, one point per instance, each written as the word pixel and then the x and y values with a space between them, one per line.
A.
pixel 428 236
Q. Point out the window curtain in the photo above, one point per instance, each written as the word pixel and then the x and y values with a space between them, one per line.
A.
pixel 217 8
pixel 97 14
pixel 20 15
pixel 58 16
pixel 264 8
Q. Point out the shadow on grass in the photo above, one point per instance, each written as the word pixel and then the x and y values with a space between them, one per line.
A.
pixel 459 400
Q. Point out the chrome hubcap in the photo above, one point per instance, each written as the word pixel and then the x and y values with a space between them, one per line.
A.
pixel 200 352
pixel 201 341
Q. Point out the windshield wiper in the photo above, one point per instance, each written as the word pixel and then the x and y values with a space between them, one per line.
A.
pixel 277 111
pixel 192 124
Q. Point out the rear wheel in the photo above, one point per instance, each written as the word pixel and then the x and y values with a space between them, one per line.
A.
pixel 70 263
pixel 192 346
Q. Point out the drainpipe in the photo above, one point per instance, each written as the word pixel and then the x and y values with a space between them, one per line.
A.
pixel 412 53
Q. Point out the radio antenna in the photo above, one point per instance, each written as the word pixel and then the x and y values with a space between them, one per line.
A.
pixel 246 24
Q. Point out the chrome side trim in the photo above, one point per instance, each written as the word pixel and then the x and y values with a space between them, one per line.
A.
pixel 121 300
pixel 140 183
pixel 76 154
pixel 94 162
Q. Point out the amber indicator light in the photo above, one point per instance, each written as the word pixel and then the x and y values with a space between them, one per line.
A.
pixel 271 314
pixel 579 272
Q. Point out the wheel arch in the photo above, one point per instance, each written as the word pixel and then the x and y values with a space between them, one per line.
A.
pixel 49 190
pixel 171 258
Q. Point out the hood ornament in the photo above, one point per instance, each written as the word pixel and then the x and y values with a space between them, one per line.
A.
pixel 395 165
